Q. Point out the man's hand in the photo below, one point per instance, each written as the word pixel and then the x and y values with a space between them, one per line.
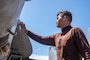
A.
pixel 23 27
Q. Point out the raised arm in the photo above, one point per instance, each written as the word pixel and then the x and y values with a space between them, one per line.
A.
pixel 47 40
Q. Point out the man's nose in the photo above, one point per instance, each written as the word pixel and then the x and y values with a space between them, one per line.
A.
pixel 57 21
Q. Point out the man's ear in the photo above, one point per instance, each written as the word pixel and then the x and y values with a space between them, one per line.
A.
pixel 68 19
pixel 64 18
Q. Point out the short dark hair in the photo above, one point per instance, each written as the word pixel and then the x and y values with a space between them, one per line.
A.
pixel 66 13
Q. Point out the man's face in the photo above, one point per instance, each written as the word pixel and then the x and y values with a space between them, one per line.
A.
pixel 59 21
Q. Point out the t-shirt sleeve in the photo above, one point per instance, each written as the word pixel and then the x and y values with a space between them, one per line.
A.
pixel 82 43
pixel 47 40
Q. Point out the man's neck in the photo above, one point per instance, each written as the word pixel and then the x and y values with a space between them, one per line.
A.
pixel 66 29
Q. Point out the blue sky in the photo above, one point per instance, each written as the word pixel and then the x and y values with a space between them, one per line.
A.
pixel 40 16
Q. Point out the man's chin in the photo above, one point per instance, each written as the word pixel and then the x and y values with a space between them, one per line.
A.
pixel 58 26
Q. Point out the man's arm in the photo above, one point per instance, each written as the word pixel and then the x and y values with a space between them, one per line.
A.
pixel 82 44
pixel 47 40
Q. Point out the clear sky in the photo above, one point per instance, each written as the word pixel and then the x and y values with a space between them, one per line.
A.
pixel 40 16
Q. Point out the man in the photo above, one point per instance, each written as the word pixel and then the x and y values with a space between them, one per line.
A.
pixel 71 43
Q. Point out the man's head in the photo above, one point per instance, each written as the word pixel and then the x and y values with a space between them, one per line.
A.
pixel 64 18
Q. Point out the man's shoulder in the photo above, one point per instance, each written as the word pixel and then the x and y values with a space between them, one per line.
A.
pixel 57 34
pixel 76 28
